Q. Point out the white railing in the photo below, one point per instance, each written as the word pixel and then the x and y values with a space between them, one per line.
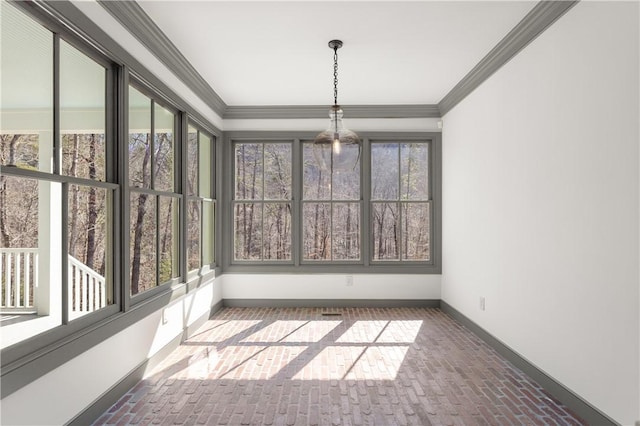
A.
pixel 18 278
pixel 87 289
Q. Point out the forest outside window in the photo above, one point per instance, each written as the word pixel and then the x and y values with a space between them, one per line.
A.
pixel 400 201
pixel 330 211
pixel 200 199
pixel 154 203
pixel 262 201
pixel 56 205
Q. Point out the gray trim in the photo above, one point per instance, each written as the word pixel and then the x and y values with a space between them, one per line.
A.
pixel 99 406
pixel 581 407
pixel 331 303
pixel 94 410
pixel 322 111
pixel 531 26
pixel 133 17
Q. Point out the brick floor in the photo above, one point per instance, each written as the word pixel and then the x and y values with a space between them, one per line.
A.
pixel 355 366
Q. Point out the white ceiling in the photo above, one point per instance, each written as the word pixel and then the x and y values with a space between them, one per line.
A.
pixel 276 53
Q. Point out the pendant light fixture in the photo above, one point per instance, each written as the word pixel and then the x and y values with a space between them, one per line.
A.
pixel 337 148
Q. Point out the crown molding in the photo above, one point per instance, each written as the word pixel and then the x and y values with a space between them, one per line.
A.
pixel 531 26
pixel 141 26
pixel 322 111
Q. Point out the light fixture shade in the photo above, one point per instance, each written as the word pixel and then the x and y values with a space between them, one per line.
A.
pixel 337 148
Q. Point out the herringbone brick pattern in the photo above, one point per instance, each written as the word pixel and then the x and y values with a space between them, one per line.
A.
pixel 355 366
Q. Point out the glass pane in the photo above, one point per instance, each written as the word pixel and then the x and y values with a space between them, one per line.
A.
pixel 139 139
pixel 385 223
pixel 169 234
pixel 163 159
pixel 205 166
pixel 248 231
pixel 88 224
pixel 277 231
pixel 26 92
pixel 346 231
pixel 384 171
pixel 82 114
pixel 208 232
pixel 414 160
pixel 277 171
pixel 30 257
pixel 416 231
pixel 192 162
pixel 346 183
pixel 316 183
pixel 248 171
pixel 193 235
pixel 316 226
pixel 143 255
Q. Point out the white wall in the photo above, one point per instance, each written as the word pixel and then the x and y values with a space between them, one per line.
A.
pixel 541 205
pixel 330 286
pixel 66 391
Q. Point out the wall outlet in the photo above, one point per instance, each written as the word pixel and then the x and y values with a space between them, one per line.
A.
pixel 349 280
pixel 482 303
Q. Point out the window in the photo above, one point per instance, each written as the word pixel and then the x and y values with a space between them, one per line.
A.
pixel 154 203
pixel 200 199
pixel 56 204
pixel 379 215
pixel 330 210
pixel 400 201
pixel 262 201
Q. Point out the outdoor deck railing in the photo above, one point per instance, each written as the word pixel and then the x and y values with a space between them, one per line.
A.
pixel 87 289
pixel 19 280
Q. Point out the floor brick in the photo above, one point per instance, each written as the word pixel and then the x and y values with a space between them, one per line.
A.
pixel 401 366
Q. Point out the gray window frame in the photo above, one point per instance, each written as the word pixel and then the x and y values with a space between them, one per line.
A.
pixel 26 361
pixel 262 201
pixel 366 264
pixel 400 202
pixel 204 268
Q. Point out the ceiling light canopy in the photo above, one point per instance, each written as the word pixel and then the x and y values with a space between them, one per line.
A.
pixel 337 148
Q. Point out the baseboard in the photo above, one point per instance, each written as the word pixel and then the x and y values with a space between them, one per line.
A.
pixel 582 408
pixel 111 396
pixel 331 303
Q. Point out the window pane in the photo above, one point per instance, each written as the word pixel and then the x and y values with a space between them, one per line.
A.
pixel 26 91
pixel 277 231
pixel 248 231
pixel 205 165
pixel 192 162
pixel 169 238
pixel 316 183
pixel 384 171
pixel 248 171
pixel 346 183
pixel 88 224
pixel 316 231
pixel 143 253
pixel 277 171
pixel 385 223
pixel 208 232
pixel 346 231
pixel 164 122
pixel 416 231
pixel 30 257
pixel 414 160
pixel 193 235
pixel 82 114
pixel 139 139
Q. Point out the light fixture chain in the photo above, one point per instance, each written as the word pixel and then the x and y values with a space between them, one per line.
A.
pixel 335 75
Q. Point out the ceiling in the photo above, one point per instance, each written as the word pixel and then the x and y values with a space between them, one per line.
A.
pixel 276 53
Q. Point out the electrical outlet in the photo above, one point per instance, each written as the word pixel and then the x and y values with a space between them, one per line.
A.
pixel 349 280
pixel 482 303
